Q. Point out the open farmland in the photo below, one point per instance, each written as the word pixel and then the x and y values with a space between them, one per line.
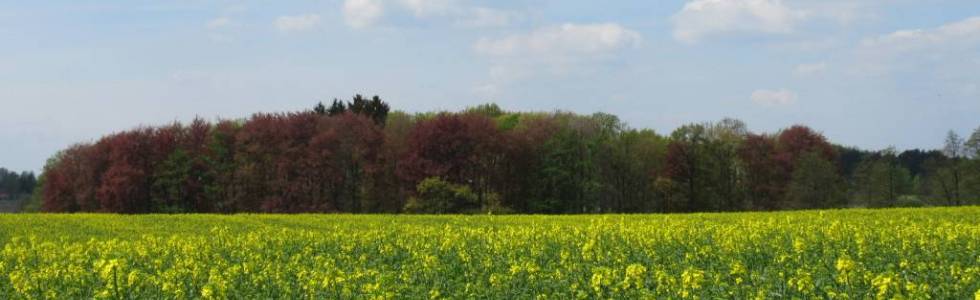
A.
pixel 839 254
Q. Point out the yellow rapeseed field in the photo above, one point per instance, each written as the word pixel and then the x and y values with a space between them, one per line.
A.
pixel 841 254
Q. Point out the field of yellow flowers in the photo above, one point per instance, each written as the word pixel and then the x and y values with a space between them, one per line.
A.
pixel 841 254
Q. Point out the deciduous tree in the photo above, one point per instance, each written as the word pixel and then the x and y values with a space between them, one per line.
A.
pixel 462 149
pixel 815 184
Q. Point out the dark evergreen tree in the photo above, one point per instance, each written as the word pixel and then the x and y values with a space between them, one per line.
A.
pixel 914 160
pixel 358 105
pixel 336 108
pixel 320 109
pixel 378 110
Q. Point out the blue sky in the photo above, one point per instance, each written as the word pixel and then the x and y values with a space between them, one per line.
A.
pixel 871 73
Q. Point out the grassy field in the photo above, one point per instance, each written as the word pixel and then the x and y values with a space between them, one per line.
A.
pixel 844 254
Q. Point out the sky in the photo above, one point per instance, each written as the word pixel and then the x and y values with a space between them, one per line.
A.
pixel 871 74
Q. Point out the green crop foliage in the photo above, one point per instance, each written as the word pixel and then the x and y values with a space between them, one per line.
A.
pixel 837 254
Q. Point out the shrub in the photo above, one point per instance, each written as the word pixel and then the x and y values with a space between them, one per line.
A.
pixel 436 196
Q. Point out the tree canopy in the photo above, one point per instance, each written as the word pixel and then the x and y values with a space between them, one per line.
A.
pixel 360 157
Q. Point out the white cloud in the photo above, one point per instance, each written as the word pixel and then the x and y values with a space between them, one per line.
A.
pixel 943 50
pixel 566 39
pixel 810 69
pixel 702 18
pixel 842 11
pixel 561 51
pixel 365 13
pixel 811 44
pixel 486 17
pixel 551 52
pixel 221 29
pixel 771 98
pixel 423 8
pixel 962 32
pixel 297 23
pixel 362 13
pixel 217 23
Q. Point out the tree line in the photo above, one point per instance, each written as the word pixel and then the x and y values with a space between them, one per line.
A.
pixel 359 156
pixel 15 185
pixel 15 189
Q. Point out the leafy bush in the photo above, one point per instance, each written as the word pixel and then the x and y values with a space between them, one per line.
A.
pixel 437 196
